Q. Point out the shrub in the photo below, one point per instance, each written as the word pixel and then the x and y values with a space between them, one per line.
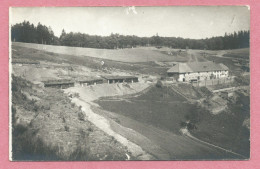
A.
pixel 63 120
pixel 13 114
pixel 25 146
pixel 183 124
pixel 84 134
pixel 81 116
pixel 205 91
pixel 82 153
pixel 67 128
pixel 241 80
pixel 76 95
pixel 163 77
pixel 35 107
pixel 117 120
pixel 159 84
pixel 90 129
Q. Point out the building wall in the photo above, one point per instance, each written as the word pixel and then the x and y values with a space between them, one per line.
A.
pixel 87 83
pixel 128 80
pixel 59 86
pixel 202 75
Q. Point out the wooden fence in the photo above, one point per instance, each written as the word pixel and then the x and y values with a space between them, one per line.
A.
pixel 211 82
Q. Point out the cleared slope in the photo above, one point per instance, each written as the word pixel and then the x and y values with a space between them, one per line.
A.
pixel 124 55
pixel 162 109
pixel 172 146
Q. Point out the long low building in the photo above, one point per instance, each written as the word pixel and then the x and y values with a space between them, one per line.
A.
pixel 120 79
pixel 90 81
pixel 61 84
pixel 195 71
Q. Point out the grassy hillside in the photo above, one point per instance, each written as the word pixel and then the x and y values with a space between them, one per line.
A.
pixel 47 126
pixel 165 109
pixel 160 107
pixel 124 55
pixel 227 129
pixel 146 60
pixel 238 53
pixel 243 53
pixel 91 62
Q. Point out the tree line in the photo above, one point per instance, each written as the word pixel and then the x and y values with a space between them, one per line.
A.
pixel 41 34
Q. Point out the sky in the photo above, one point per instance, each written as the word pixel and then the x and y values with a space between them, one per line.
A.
pixel 194 22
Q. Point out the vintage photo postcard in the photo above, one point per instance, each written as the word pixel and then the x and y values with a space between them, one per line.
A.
pixel 129 83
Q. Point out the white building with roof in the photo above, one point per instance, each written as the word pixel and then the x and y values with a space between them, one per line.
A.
pixel 195 71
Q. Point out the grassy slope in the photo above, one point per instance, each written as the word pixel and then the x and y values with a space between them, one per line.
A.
pixel 160 107
pixel 124 55
pixel 238 53
pixel 91 62
pixel 138 60
pixel 226 129
pixel 229 56
pixel 47 126
pixel 241 53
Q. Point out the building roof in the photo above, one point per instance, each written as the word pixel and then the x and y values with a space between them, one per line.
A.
pixel 58 82
pixel 197 67
pixel 119 77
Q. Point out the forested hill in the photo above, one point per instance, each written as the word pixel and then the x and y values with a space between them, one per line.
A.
pixel 41 34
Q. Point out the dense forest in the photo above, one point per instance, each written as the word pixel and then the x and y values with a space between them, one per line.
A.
pixel 41 34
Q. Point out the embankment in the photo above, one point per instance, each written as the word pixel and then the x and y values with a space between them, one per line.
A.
pixel 90 93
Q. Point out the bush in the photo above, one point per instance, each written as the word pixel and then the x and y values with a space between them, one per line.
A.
pixel 90 129
pixel 67 128
pixel 13 114
pixel 159 84
pixel 25 146
pixel 205 91
pixel 82 153
pixel 241 80
pixel 81 116
pixel 163 77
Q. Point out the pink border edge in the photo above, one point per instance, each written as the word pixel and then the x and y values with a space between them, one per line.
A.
pixel 253 163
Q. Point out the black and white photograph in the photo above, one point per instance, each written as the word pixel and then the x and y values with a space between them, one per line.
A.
pixel 154 83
